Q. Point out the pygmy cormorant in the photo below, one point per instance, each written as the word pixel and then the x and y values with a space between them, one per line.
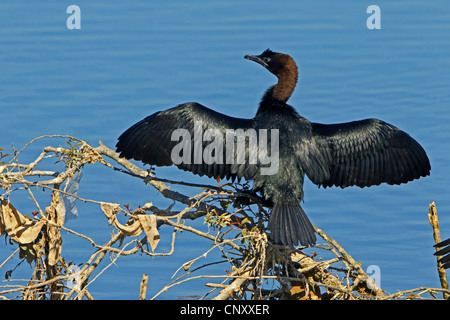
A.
pixel 359 153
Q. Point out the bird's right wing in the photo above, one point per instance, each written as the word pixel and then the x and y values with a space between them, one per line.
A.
pixel 152 141
pixel 368 152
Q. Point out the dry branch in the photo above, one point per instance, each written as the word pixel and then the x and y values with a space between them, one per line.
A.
pixel 434 222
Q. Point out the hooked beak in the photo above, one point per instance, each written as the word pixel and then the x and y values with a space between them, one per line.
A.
pixel 256 59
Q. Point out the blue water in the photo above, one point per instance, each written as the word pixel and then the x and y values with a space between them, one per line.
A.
pixel 133 58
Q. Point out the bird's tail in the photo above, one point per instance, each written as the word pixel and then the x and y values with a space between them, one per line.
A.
pixel 288 225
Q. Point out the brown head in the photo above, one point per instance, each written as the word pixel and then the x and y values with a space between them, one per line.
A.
pixel 284 67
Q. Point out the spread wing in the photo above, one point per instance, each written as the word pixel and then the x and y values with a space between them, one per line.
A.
pixel 368 152
pixel 178 134
pixel 444 251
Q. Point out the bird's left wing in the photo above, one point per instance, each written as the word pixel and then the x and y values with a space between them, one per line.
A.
pixel 368 152
pixel 444 252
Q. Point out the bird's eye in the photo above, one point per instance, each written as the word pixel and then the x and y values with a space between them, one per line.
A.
pixel 266 59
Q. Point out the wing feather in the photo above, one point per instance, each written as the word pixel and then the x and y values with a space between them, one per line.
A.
pixel 368 152
pixel 149 140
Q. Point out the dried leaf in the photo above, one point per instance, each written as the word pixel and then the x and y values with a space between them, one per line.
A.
pixel 131 228
pixel 28 251
pixel 90 155
pixel 110 210
pixel 148 223
pixel 18 227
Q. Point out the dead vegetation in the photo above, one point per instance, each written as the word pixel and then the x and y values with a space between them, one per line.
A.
pixel 257 269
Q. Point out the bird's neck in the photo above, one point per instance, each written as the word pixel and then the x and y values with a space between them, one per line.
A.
pixel 282 91
pixel 286 84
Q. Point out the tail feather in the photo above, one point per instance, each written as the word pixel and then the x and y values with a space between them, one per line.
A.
pixel 288 225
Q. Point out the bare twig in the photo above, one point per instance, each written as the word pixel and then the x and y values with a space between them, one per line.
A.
pixel 143 287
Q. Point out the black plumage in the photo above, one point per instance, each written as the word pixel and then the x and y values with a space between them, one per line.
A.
pixel 360 153
pixel 444 252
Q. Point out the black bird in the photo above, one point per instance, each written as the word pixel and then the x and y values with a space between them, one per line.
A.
pixel 359 153
pixel 445 252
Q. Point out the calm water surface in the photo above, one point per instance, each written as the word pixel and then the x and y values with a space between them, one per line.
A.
pixel 134 58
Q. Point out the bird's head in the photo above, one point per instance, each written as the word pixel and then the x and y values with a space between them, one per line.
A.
pixel 277 63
